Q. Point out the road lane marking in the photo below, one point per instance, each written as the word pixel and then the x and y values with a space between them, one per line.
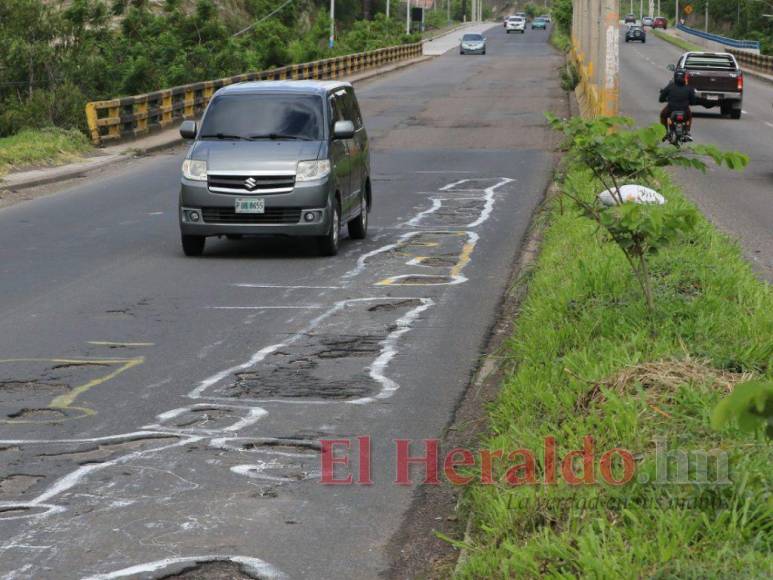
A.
pixel 769 124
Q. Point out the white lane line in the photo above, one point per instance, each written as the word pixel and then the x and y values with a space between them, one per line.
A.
pixel 254 566
pixel 281 287
pixel 769 124
pixel 444 172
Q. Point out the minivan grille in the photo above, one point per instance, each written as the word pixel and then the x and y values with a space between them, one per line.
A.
pixel 273 215
pixel 251 184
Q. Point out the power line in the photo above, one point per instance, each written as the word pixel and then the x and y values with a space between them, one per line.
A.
pixel 254 24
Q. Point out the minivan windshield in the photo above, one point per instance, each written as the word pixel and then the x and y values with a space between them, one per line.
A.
pixel 472 37
pixel 264 116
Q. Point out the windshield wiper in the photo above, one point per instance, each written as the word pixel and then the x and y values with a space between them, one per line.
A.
pixel 277 136
pixel 221 136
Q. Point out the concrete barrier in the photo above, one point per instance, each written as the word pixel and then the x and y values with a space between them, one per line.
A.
pixel 134 116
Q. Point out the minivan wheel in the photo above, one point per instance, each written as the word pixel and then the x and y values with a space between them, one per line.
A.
pixel 328 244
pixel 193 245
pixel 358 227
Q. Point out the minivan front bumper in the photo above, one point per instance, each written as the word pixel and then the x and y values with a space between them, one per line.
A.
pixel 285 213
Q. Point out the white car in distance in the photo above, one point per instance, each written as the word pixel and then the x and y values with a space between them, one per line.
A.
pixel 515 24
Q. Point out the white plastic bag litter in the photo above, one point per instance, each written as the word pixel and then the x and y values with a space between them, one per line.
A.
pixel 633 193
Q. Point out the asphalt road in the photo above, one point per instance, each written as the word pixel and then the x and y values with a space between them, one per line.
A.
pixel 740 204
pixel 157 409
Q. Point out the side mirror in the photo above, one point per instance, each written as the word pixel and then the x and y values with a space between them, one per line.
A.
pixel 671 67
pixel 343 130
pixel 188 130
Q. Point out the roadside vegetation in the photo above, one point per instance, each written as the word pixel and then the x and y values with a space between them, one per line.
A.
pixel 740 19
pixel 590 358
pixel 54 57
pixel 675 40
pixel 49 146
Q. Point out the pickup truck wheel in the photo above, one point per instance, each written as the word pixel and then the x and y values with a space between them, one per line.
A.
pixel 358 227
pixel 193 245
pixel 328 244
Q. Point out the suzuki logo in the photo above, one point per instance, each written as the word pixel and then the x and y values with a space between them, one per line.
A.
pixel 250 183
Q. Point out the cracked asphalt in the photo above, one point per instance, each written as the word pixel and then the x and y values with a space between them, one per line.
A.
pixel 161 416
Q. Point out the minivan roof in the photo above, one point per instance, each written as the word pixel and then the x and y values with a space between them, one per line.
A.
pixel 287 86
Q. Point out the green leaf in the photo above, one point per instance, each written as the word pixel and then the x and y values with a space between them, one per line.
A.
pixel 750 405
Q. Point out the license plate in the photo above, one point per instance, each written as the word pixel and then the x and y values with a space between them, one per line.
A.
pixel 712 97
pixel 250 205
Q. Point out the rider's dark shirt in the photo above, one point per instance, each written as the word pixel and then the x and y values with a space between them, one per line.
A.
pixel 679 98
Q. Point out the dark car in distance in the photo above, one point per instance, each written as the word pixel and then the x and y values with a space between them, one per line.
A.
pixel 630 19
pixel 660 22
pixel 635 33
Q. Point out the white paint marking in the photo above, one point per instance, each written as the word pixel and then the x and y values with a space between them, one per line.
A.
pixel 388 386
pixel 73 478
pixel 303 307
pixel 254 414
pixel 279 286
pixel 769 124
pixel 388 352
pixel 254 566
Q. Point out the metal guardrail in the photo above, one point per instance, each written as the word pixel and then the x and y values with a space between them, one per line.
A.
pixel 748 44
pixel 138 115
pixel 758 62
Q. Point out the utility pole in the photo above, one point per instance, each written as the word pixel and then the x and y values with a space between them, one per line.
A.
pixel 676 12
pixel 448 10
pixel 387 12
pixel 707 16
pixel 332 23
pixel 408 17
pixel 641 9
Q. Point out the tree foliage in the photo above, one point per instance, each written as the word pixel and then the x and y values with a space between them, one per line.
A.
pixel 53 58
pixel 618 154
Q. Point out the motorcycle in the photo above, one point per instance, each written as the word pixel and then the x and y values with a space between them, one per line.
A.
pixel 677 129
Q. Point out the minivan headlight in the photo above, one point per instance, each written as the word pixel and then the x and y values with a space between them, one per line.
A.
pixel 311 170
pixel 195 170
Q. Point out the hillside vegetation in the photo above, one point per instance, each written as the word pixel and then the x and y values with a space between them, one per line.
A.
pixel 56 56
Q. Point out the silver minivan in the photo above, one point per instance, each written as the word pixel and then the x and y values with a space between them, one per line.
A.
pixel 276 158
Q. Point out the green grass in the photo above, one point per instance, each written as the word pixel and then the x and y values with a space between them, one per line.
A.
pixel 676 41
pixel 583 323
pixel 32 147
pixel 560 40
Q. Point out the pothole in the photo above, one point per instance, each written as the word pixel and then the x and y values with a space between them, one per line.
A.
pixel 39 414
pixel 211 571
pixel 423 280
pixel 13 486
pixel 101 453
pixel 389 306
pixel 30 385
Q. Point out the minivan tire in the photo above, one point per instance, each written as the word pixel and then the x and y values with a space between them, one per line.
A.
pixel 358 227
pixel 193 245
pixel 328 244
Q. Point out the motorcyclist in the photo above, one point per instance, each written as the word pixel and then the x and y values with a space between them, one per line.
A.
pixel 678 97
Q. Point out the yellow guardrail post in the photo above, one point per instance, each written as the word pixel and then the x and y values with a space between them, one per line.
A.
pixel 91 121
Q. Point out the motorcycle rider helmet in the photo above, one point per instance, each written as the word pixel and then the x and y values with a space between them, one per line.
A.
pixel 680 78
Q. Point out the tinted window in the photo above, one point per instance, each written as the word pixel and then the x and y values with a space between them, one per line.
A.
pixel 255 116
pixel 472 37
pixel 710 61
